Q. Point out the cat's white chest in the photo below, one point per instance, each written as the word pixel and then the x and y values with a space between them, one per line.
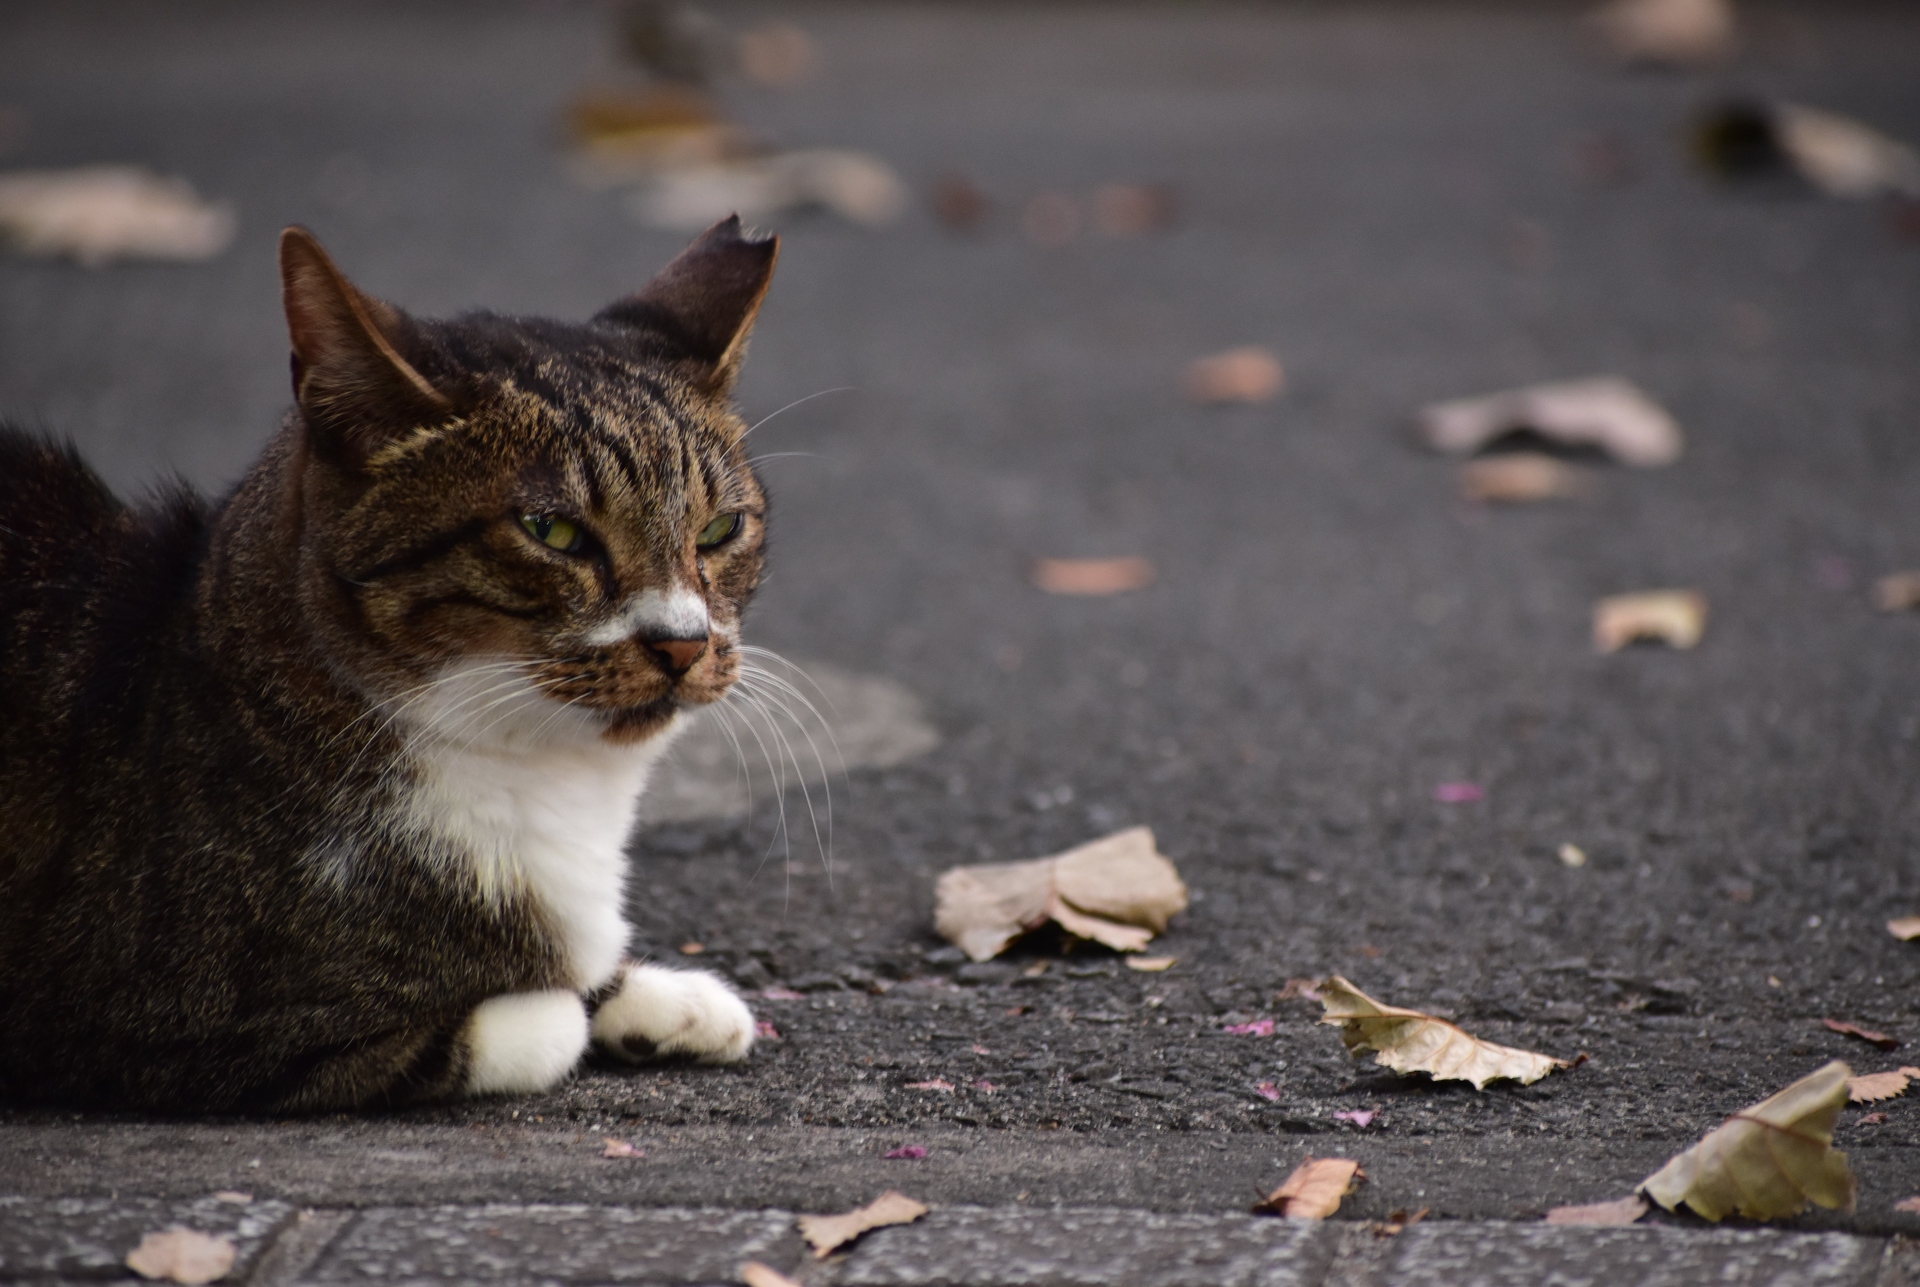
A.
pixel 549 822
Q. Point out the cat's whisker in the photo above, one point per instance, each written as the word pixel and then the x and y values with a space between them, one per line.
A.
pixel 757 461
pixel 779 784
pixel 842 388
pixel 770 702
pixel 753 675
pixel 723 718
pixel 751 671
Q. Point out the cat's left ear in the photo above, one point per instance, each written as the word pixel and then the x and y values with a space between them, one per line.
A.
pixel 704 302
pixel 356 389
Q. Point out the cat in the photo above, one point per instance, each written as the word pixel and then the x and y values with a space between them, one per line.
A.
pixel 317 798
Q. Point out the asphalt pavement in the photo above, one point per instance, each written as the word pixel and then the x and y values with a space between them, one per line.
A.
pixel 1403 202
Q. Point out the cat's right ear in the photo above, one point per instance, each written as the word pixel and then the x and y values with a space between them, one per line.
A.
pixel 355 389
pixel 704 302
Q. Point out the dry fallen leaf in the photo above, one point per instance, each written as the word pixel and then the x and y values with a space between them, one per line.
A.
pixel 1768 1161
pixel 1842 157
pixel 1133 209
pixel 1904 928
pixel 755 1274
pixel 99 213
pixel 620 1148
pixel 1897 592
pixel 1520 478
pixel 1314 1190
pixel 1248 374
pixel 825 1233
pixel 182 1256
pixel 1869 1087
pixel 1665 31
pixel 1092 576
pixel 1619 1211
pixel 1151 964
pixel 854 185
pixel 1677 618
pixel 776 54
pixel 621 137
pixel 1604 411
pixel 1859 1033
pixel 1409 1041
pixel 1118 891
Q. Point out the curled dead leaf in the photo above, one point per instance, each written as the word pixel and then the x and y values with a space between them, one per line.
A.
pixel 826 1233
pixel 1410 1041
pixel 1897 592
pixel 755 1274
pixel 1092 576
pixel 1870 1087
pixel 1904 928
pixel 1520 478
pixel 1314 1190
pixel 1605 411
pixel 1118 890
pixel 1151 964
pixel 1842 157
pixel 1675 32
pixel 1859 1033
pixel 1247 374
pixel 1619 1211
pixel 1768 1161
pixel 182 1256
pixel 99 213
pixel 1677 618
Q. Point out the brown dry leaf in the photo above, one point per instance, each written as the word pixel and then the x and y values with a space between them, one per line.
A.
pixel 755 1274
pixel 98 213
pixel 1247 374
pixel 1118 890
pixel 1665 31
pixel 1605 412
pixel 826 1233
pixel 1314 1190
pixel 1520 478
pixel 1619 1211
pixel 1410 1041
pixel 1904 928
pixel 1677 618
pixel 1869 1087
pixel 1842 157
pixel 182 1256
pixel 1897 592
pixel 1151 964
pixel 777 54
pixel 1859 1033
pixel 1092 576
pixel 1768 1161
pixel 621 137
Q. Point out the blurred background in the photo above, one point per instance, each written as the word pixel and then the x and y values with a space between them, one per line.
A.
pixel 1010 230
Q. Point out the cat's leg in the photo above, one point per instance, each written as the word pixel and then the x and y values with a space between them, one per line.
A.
pixel 523 1041
pixel 650 1011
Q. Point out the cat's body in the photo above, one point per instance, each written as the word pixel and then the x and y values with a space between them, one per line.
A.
pixel 319 798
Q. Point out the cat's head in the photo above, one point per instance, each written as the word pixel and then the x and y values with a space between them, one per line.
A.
pixel 521 527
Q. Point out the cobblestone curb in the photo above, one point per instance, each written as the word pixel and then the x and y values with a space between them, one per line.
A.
pixel 70 1240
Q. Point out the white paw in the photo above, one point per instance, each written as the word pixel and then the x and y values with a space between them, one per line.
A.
pixel 658 1012
pixel 523 1041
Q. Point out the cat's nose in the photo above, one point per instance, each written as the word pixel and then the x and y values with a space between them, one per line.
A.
pixel 676 656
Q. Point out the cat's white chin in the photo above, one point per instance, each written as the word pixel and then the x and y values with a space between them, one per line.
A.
pixel 659 1013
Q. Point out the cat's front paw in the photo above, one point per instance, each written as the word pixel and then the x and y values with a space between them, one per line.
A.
pixel 659 1012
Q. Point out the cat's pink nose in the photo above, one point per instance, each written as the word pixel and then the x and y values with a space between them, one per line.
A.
pixel 677 655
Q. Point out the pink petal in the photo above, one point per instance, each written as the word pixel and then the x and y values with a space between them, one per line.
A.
pixel 981 1050
pixel 781 994
pixel 1458 792
pixel 937 1083
pixel 1258 1028
pixel 1267 1090
pixel 987 1086
pixel 1361 1117
pixel 911 1152
pixel 762 1028
pixel 620 1148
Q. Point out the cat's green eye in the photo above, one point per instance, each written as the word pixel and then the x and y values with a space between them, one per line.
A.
pixel 554 533
pixel 718 532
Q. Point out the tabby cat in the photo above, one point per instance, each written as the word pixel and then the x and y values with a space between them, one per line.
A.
pixel 318 797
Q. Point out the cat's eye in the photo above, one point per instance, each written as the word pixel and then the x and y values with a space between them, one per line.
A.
pixel 554 533
pixel 718 532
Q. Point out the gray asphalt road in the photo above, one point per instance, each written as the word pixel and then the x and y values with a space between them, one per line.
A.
pixel 1392 198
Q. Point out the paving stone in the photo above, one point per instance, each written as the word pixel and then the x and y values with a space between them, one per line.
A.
pixel 566 1244
pixel 976 1247
pixel 87 1239
pixel 1518 1255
